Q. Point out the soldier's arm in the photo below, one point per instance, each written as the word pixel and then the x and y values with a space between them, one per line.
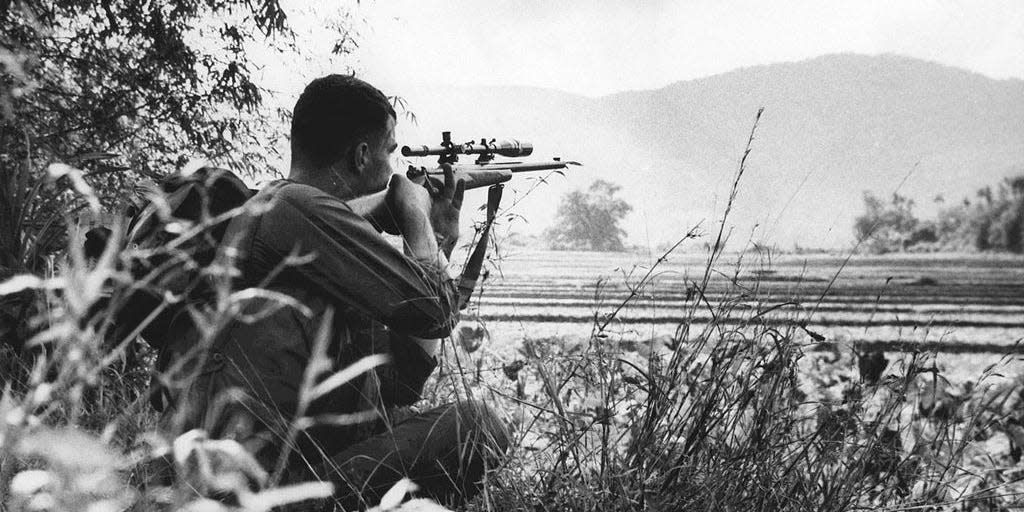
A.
pixel 355 267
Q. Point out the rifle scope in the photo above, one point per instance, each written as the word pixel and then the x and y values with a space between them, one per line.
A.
pixel 508 148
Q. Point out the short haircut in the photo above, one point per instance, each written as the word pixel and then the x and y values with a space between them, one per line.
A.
pixel 333 114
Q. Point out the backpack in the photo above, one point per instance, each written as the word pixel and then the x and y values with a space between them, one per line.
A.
pixel 165 261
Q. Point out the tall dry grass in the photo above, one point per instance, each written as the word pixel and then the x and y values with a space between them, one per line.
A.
pixel 77 431
pixel 747 412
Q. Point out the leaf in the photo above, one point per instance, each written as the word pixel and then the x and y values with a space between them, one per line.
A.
pixel 512 369
pixel 272 498
pixel 319 362
pixel 71 449
pixel 353 418
pixel 20 283
pixel 393 498
pixel 31 481
pixel 205 505
pixel 77 182
pixel 94 156
pixel 216 465
pixel 814 335
pixel 279 300
pixel 347 374
pixel 421 505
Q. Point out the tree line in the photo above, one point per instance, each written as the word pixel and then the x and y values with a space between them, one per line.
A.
pixel 991 220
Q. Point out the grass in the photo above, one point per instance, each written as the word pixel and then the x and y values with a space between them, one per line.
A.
pixel 727 420
pixel 722 418
pixel 738 410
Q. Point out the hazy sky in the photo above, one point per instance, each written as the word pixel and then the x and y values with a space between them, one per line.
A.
pixel 601 46
pixel 598 47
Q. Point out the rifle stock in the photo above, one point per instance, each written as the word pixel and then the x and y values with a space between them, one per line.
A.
pixel 473 178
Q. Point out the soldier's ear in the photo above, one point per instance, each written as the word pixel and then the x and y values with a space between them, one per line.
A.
pixel 360 157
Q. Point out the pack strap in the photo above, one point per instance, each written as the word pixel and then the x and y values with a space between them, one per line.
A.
pixel 471 272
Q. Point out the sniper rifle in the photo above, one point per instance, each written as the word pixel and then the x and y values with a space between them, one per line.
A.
pixel 483 172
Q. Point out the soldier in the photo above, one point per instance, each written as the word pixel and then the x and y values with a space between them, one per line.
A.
pixel 373 297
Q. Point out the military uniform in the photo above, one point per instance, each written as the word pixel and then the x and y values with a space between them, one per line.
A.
pixel 247 383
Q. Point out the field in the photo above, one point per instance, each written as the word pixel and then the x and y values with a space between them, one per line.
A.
pixel 598 355
pixel 970 309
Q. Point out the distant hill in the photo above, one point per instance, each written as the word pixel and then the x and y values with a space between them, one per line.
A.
pixel 833 127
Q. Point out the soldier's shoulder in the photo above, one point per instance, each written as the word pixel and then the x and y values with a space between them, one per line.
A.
pixel 302 197
pixel 293 192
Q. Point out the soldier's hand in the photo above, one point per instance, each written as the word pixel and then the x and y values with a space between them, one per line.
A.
pixel 446 202
pixel 408 205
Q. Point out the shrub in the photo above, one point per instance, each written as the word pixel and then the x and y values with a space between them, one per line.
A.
pixel 123 92
pixel 886 227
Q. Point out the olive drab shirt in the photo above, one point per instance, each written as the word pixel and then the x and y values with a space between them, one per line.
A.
pixel 308 246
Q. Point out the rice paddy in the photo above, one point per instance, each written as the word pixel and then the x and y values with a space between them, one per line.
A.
pixel 968 309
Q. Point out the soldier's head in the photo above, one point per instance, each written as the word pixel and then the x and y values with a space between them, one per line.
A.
pixel 343 131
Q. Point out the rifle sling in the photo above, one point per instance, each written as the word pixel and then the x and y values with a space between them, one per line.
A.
pixel 471 273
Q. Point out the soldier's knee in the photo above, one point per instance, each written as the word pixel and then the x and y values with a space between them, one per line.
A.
pixel 485 425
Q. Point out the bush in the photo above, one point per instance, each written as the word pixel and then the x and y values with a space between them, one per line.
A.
pixel 886 227
pixel 122 91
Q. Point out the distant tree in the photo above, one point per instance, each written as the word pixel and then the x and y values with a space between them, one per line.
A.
pixel 1004 216
pixel 887 226
pixel 995 222
pixel 589 220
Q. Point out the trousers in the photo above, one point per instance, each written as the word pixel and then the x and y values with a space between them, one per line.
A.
pixel 446 451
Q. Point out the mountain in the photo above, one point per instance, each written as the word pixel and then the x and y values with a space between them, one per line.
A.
pixel 833 127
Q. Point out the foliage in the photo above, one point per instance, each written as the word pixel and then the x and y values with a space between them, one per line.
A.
pixel 736 414
pixel 721 416
pixel 724 416
pixel 743 412
pixel 122 91
pixel 993 221
pixel 885 227
pixel 109 87
pixel 589 220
